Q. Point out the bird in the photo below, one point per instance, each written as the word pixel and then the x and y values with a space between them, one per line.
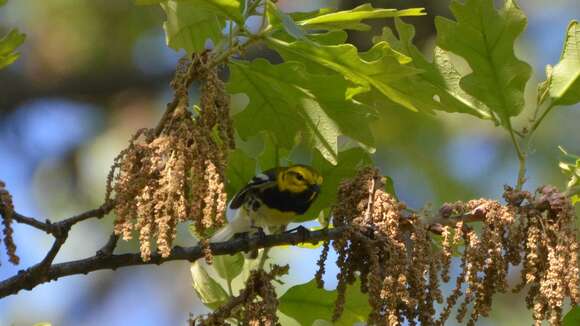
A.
pixel 271 200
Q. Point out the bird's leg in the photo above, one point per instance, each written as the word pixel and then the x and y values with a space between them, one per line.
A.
pixel 259 232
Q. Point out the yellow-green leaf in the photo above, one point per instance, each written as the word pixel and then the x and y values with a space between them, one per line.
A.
pixel 207 289
pixel 352 19
pixel 306 303
pixel 285 100
pixel 485 38
pixel 565 76
pixel 438 80
pixel 376 69
pixel 190 23
pixel 241 169
pixel 228 266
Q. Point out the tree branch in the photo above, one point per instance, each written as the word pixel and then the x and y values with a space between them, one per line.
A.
pixel 105 259
pixel 63 226
pixel 30 278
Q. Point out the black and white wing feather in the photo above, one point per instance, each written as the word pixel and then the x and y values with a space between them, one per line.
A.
pixel 259 182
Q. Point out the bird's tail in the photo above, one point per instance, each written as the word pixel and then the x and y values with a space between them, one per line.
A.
pixel 224 234
pixel 239 224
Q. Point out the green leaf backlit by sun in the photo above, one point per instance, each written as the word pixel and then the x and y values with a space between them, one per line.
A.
pixel 485 38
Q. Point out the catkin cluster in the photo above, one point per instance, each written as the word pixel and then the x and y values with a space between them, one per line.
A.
pixel 6 213
pixel 256 305
pixel 395 267
pixel 392 251
pixel 550 260
pixel 176 172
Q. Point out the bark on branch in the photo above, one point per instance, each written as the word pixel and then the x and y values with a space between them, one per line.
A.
pixel 102 260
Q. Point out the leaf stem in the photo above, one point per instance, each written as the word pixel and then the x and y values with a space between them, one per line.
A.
pixel 230 290
pixel 521 157
pixel 538 121
pixel 263 258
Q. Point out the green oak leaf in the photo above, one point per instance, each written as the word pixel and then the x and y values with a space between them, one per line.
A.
pixel 230 9
pixel 208 290
pixel 485 38
pixel 352 19
pixel 228 266
pixel 438 81
pixel 273 99
pixel 285 100
pixel 272 154
pixel 329 38
pixel 241 169
pixel 306 303
pixel 376 69
pixel 565 76
pixel 8 45
pixel 190 23
pixel 572 318
pixel 278 18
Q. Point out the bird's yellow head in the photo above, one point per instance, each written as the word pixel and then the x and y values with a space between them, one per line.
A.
pixel 298 179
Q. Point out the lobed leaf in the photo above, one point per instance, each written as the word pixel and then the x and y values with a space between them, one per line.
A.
pixel 306 303
pixel 286 100
pixel 379 68
pixel 228 266
pixel 564 80
pixel 438 80
pixel 279 19
pixel 241 169
pixel 190 23
pixel 485 38
pixel 208 290
pixel 352 19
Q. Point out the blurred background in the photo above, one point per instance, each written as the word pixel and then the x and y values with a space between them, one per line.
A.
pixel 92 72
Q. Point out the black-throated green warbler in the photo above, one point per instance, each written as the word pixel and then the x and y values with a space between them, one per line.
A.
pixel 271 200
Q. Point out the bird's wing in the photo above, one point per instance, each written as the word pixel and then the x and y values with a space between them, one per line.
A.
pixel 260 181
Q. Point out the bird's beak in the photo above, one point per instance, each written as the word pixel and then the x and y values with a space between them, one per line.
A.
pixel 315 188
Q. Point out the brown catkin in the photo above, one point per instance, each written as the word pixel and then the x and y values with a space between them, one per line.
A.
pixel 176 172
pixel 6 213
pixel 256 305
pixel 391 251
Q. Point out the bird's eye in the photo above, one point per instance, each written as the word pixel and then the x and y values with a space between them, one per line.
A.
pixel 299 177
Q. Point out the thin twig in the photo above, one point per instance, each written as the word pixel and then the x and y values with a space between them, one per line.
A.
pixel 57 227
pixel 32 222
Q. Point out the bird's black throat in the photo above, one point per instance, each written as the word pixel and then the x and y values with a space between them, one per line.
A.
pixel 287 201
